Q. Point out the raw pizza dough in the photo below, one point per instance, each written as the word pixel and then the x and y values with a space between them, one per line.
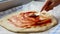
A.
pixel 4 23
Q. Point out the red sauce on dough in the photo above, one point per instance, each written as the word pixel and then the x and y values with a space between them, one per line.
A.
pixel 27 20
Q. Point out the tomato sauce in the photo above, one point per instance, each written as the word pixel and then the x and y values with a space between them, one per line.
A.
pixel 27 20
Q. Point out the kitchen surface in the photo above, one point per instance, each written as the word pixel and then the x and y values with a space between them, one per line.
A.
pixel 11 6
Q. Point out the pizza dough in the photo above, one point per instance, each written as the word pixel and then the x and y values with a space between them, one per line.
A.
pixel 4 23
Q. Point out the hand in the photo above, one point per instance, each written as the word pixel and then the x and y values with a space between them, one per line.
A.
pixel 50 4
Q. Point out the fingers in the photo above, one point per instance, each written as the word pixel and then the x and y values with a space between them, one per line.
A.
pixel 46 5
pixel 50 6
